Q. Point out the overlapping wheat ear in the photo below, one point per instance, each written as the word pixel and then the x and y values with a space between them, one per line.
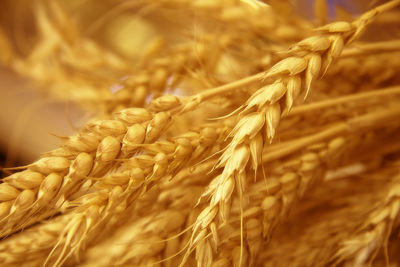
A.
pixel 268 206
pixel 275 199
pixel 311 160
pixel 278 63
pixel 110 186
pixel 122 188
pixel 101 136
pixel 263 110
pixel 92 152
pixel 122 179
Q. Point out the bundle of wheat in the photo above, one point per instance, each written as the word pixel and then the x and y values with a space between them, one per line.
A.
pixel 204 147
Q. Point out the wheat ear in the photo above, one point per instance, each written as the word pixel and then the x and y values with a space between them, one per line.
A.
pixel 89 153
pixel 262 112
pixel 31 246
pixel 122 188
pixel 362 248
pixel 290 178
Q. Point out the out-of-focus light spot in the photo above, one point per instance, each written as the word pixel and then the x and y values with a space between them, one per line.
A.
pixel 169 83
pixel 254 3
pixel 178 92
pixel 116 87
pixel 149 98
pixel 345 171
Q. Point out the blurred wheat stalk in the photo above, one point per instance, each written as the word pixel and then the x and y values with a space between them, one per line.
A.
pixel 228 133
